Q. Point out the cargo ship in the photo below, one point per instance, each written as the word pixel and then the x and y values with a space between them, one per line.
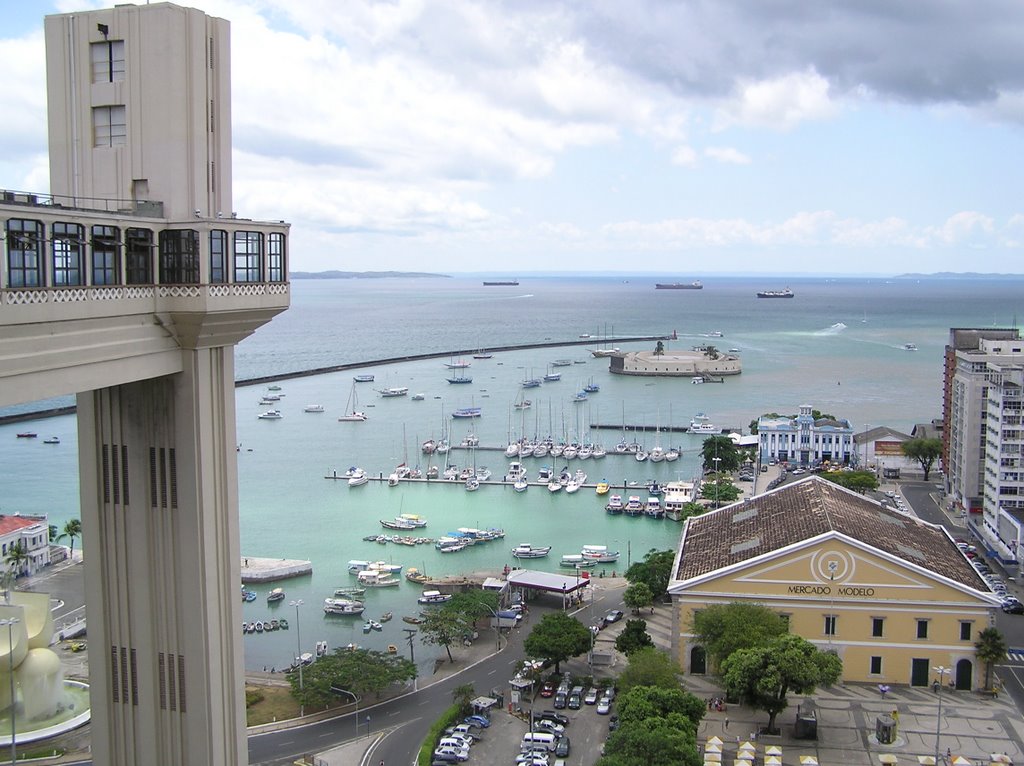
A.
pixel 679 286
pixel 787 293
pixel 506 283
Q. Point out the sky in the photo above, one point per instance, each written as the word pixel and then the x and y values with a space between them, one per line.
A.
pixel 679 138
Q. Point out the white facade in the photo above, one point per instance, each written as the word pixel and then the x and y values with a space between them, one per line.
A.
pixel 1003 461
pixel 881 450
pixel 803 440
pixel 33 533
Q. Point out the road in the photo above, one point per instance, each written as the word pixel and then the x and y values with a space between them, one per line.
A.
pixel 408 718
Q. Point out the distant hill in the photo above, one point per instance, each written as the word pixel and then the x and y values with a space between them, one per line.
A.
pixel 959 275
pixel 364 275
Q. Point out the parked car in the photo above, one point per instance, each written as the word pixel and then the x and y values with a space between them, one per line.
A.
pixel 604 706
pixel 477 720
pixel 1013 606
pixel 574 701
pixel 613 616
pixel 546 724
pixel 547 689
pixel 562 748
pixel 561 699
pixel 591 696
pixel 551 715
pixel 451 755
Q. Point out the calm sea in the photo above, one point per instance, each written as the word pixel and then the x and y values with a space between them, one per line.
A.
pixel 838 345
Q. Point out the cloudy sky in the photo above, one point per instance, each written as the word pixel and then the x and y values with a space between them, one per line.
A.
pixel 679 138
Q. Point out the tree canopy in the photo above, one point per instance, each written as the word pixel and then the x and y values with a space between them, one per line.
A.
pixel 720 490
pixel 557 637
pixel 649 667
pixel 654 571
pixel 633 637
pixel 762 676
pixel 657 727
pixel 858 481
pixel 72 529
pixel 638 596
pixel 720 447
pixel 924 451
pixel 443 627
pixel 725 628
pixel 991 649
pixel 474 604
pixel 358 671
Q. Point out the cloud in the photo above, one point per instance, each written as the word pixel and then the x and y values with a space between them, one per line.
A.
pixel 781 103
pixel 727 154
pixel 685 156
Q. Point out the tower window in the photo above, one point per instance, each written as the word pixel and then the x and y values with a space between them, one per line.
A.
pixel 108 126
pixel 107 61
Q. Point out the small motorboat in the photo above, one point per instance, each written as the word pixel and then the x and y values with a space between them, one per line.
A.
pixel 602 487
pixel 259 626
pixel 412 620
pixel 313 408
pixel 363 378
pixel 52 440
pixel 277 594
pixel 386 617
pixel 392 649
pixel 434 597
pixel 270 415
pixel 282 624
pixel 27 435
pixel 528 551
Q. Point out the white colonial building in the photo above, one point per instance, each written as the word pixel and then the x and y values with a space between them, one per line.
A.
pixel 33 533
pixel 804 440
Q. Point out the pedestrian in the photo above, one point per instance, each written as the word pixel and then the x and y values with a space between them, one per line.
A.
pixel 727 726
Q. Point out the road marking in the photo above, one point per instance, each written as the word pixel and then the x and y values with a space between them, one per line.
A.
pixel 493 672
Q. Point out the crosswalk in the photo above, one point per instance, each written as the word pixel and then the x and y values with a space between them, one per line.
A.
pixel 1015 656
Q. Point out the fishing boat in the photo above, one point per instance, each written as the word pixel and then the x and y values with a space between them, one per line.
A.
pixel 351 414
pixel 313 408
pixel 412 620
pixel 363 378
pixel 614 505
pixel 576 561
pixel 399 524
pixel 357 565
pixel 388 393
pixel 386 617
pixel 384 566
pixel 434 597
pixel 527 551
pixel 52 440
pixel 653 508
pixel 412 574
pixel 413 518
pixel 358 478
pixel 352 592
pixel 633 506
pixel 268 415
pixel 277 594
pixel 602 488
pixel 371 578
pixel 599 553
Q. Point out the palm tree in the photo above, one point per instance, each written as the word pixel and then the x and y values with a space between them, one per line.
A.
pixel 990 649
pixel 72 530
pixel 15 560
pixel 462 694
pixel 52 533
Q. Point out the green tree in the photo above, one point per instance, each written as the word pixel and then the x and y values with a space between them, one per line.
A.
pixel 858 481
pixel 52 533
pixel 991 649
pixel 462 695
pixel 924 451
pixel 637 596
pixel 655 571
pixel 72 529
pixel 557 637
pixel 720 490
pixel 659 349
pixel 16 558
pixel 763 675
pixel 649 667
pixel 358 671
pixel 633 637
pixel 443 627
pixel 720 447
pixel 691 509
pixel 473 604
pixel 657 727
pixel 725 628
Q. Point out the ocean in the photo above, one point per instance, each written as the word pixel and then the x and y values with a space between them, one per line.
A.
pixel 838 346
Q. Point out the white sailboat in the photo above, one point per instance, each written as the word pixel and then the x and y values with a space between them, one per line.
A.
pixel 351 413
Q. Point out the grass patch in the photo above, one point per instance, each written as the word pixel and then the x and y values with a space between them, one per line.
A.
pixel 275 704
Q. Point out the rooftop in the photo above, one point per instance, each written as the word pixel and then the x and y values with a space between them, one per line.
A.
pixel 811 508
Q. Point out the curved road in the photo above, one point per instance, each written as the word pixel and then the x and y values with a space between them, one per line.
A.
pixel 406 719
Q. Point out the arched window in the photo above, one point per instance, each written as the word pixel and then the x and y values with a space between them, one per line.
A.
pixel 24 253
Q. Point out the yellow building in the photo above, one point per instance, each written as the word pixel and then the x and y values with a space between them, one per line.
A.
pixel 892 595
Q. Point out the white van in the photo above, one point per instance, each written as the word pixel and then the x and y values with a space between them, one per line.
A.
pixel 539 740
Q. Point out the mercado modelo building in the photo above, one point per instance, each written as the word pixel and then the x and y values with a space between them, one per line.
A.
pixel 805 440
pixel 892 595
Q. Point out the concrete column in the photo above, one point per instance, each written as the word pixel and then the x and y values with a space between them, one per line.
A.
pixel 159 495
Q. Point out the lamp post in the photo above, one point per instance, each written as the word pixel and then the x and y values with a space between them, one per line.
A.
pixel 10 622
pixel 938 716
pixel 867 427
pixel 832 567
pixel 716 461
pixel 298 648
pixel 355 716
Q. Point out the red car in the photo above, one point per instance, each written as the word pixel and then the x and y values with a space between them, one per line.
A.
pixel 547 690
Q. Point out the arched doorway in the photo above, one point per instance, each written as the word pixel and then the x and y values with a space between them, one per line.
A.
pixel 698 661
pixel 964 671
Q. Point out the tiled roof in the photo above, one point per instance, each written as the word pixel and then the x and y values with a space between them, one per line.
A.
pixel 807 509
pixel 10 524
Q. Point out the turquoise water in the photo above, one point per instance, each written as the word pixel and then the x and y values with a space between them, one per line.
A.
pixel 816 349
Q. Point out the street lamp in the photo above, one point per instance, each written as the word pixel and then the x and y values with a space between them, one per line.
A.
pixel 355 716
pixel 298 648
pixel 716 461
pixel 10 622
pixel 938 716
